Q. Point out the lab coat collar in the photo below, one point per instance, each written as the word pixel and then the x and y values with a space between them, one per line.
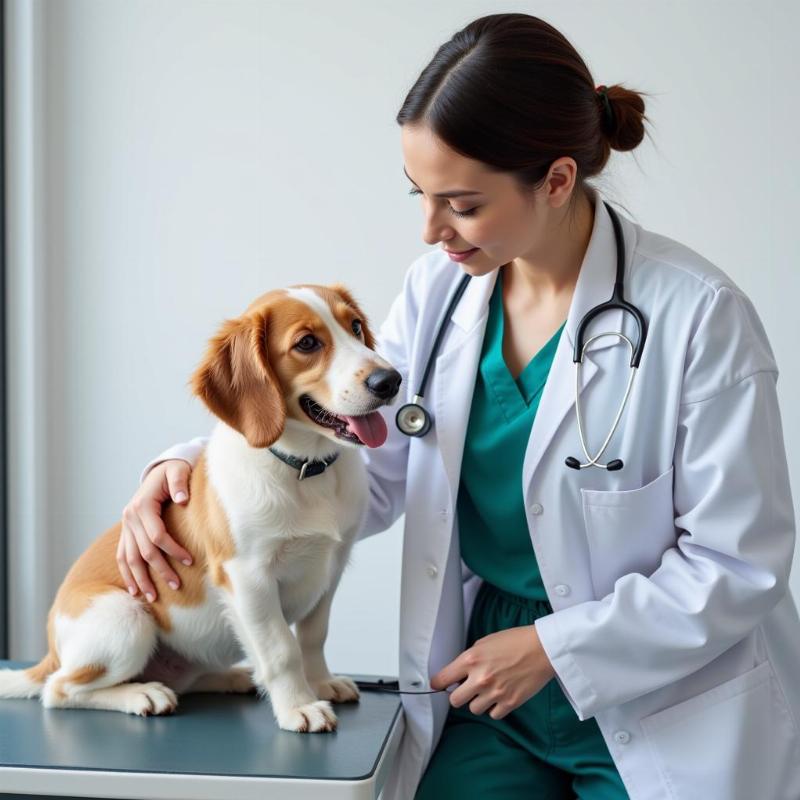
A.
pixel 595 283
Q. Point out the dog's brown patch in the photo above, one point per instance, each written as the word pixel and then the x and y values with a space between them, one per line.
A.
pixel 79 677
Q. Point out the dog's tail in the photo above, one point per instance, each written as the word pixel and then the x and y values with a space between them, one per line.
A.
pixel 27 682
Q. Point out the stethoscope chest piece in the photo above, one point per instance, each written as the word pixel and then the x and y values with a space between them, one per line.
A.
pixel 412 419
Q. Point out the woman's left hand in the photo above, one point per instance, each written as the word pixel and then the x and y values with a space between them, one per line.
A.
pixel 503 670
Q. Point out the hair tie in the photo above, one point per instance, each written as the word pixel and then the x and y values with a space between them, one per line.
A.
pixel 608 111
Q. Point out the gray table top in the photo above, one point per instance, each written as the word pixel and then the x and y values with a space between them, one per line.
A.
pixel 209 734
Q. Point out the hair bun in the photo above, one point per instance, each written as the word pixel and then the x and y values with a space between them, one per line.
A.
pixel 623 116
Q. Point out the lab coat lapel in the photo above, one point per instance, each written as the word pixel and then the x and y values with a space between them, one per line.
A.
pixel 595 285
pixel 456 369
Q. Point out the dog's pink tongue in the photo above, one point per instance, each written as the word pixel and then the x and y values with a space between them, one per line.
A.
pixel 371 428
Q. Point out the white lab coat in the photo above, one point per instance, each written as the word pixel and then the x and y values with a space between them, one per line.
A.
pixel 673 625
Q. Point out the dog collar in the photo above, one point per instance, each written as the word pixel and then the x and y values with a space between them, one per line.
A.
pixel 307 467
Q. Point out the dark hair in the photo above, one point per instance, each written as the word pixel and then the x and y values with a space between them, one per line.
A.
pixel 510 91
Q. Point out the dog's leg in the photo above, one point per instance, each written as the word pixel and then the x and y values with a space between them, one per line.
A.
pixel 99 652
pixel 235 681
pixel 311 634
pixel 143 699
pixel 273 650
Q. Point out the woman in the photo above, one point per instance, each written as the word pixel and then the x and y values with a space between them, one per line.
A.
pixel 613 632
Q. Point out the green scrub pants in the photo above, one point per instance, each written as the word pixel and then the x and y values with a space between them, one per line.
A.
pixel 540 751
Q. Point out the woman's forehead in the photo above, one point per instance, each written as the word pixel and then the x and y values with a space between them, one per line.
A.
pixel 428 158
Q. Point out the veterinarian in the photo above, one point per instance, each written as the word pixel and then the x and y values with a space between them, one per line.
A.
pixel 619 625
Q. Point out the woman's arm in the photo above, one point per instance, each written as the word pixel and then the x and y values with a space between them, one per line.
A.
pixel 187 451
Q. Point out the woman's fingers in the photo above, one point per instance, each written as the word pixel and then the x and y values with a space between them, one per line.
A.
pixel 464 693
pixel 141 574
pixel 152 538
pixel 500 711
pixel 483 701
pixel 122 563
pixel 153 524
pixel 177 474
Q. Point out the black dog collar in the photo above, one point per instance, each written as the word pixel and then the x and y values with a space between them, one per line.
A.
pixel 306 467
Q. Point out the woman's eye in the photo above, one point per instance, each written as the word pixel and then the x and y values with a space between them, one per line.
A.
pixel 357 327
pixel 466 213
pixel 308 344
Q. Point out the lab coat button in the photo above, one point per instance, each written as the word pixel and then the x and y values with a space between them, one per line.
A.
pixel 536 508
pixel 622 737
pixel 432 571
pixel 562 590
pixel 443 514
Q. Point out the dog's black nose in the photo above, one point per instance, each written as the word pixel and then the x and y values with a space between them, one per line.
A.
pixel 384 383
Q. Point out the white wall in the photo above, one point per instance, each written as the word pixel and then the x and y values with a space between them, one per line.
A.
pixel 176 159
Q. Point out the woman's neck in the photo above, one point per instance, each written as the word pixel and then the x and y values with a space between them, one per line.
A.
pixel 557 270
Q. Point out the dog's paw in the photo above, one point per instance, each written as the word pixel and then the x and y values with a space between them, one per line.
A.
pixel 311 718
pixel 153 698
pixel 337 689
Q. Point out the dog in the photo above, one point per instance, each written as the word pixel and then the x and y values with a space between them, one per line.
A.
pixel 275 503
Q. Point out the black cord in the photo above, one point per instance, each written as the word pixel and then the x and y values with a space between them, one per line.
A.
pixel 393 687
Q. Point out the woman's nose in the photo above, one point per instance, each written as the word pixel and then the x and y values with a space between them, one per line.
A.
pixel 435 230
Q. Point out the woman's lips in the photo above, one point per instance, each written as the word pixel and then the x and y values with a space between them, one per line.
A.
pixel 463 255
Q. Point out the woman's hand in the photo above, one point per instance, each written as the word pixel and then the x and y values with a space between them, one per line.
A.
pixel 143 535
pixel 503 670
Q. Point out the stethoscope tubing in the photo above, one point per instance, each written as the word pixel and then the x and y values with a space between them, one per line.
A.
pixel 414 420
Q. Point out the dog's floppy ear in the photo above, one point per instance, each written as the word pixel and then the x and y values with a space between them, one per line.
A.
pixel 344 293
pixel 237 383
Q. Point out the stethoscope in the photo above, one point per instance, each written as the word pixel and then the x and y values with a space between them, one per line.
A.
pixel 413 419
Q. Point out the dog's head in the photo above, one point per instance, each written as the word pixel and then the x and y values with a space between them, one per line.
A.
pixel 304 353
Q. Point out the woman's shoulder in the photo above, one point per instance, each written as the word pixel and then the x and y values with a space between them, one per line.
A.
pixel 701 310
pixel 657 255
pixel 683 284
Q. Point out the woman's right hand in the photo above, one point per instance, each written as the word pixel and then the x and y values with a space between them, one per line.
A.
pixel 143 535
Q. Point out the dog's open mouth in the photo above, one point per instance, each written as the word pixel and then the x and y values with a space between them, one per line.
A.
pixel 369 429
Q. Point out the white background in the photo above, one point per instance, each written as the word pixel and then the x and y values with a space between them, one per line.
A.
pixel 168 161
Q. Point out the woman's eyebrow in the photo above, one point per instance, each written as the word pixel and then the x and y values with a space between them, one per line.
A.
pixel 451 194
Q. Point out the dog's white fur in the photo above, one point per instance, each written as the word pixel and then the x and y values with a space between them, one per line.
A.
pixel 277 564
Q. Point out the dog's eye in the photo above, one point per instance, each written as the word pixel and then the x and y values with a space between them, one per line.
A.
pixel 308 344
pixel 357 327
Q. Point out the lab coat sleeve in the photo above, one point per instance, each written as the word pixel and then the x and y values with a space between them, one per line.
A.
pixel 387 465
pixel 735 521
pixel 188 451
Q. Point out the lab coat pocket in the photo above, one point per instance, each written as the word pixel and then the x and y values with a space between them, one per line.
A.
pixel 725 743
pixel 628 531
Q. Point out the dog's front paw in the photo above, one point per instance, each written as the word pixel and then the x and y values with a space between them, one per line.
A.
pixel 145 699
pixel 337 689
pixel 310 718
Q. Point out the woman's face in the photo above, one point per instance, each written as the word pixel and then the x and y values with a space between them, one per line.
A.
pixel 468 207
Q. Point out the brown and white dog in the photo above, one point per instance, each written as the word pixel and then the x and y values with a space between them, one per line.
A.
pixel 295 376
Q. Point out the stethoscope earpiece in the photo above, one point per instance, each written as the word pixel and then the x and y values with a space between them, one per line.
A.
pixel 612 466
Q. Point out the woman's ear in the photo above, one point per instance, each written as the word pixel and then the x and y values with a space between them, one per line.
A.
pixel 237 383
pixel 344 293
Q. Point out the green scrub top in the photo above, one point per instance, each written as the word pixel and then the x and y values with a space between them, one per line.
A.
pixel 493 529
